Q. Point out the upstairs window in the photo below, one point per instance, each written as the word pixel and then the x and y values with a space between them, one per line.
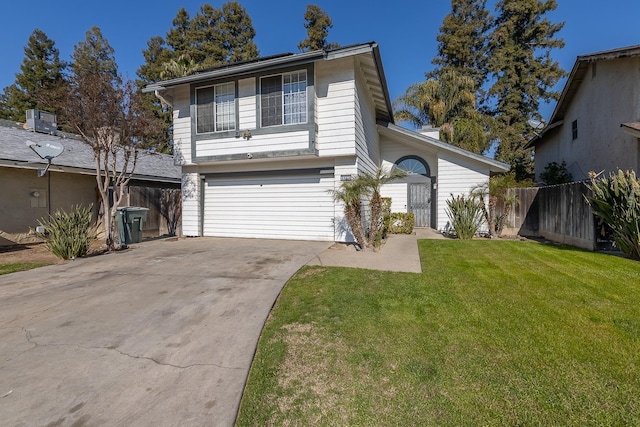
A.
pixel 574 130
pixel 283 99
pixel 216 108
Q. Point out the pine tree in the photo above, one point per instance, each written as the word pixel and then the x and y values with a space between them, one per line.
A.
pixel 177 40
pixel 213 37
pixel 40 82
pixel 317 23
pixel 94 55
pixel 238 33
pixel 462 41
pixel 524 74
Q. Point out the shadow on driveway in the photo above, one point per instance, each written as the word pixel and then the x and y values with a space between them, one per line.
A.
pixel 162 334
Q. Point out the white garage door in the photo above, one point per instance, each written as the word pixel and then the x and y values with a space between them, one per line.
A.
pixel 287 206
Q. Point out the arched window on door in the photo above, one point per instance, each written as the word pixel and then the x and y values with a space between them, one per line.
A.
pixel 413 165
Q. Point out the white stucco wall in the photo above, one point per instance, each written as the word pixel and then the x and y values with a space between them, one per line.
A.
pixel 457 176
pixel 190 202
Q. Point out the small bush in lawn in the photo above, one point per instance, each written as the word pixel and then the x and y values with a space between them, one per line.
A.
pixel 466 216
pixel 69 234
pixel 617 201
pixel 401 223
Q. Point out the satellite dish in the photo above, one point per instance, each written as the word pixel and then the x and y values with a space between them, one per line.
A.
pixel 46 150
pixel 536 124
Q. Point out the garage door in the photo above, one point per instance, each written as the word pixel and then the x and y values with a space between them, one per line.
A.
pixel 287 206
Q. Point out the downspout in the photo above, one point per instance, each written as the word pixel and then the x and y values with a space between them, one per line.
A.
pixel 201 203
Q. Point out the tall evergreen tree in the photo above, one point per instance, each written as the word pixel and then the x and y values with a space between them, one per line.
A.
pixel 462 41
pixel 238 33
pixel 94 55
pixel 524 74
pixel 156 56
pixel 40 82
pixel 212 37
pixel 317 23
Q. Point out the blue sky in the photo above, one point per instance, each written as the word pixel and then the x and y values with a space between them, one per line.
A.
pixel 405 30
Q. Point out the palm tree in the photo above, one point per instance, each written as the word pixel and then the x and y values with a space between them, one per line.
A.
pixel 449 103
pixel 183 66
pixel 373 184
pixel 494 193
pixel 351 193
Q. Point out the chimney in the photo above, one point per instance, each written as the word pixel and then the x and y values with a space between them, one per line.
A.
pixel 429 131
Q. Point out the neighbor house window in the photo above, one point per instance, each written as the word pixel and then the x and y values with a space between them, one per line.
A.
pixel 283 99
pixel 574 130
pixel 216 108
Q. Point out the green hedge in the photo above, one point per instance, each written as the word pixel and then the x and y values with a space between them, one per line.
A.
pixel 401 223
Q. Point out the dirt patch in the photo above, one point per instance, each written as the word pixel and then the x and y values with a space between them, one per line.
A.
pixel 37 252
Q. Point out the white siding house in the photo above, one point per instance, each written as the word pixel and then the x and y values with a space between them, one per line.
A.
pixel 595 125
pixel 262 143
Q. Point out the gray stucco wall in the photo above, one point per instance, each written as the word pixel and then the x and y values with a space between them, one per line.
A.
pixel 605 99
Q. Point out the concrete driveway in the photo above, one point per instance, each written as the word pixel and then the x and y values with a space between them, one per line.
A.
pixel 162 334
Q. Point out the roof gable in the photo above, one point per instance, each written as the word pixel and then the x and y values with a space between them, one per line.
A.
pixel 578 73
pixel 393 130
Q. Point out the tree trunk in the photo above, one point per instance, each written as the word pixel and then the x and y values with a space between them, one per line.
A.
pixel 375 206
pixel 354 219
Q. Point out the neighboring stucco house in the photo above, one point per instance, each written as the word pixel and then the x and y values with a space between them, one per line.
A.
pixel 263 142
pixel 596 124
pixel 26 198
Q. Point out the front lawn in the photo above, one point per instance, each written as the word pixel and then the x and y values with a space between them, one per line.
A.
pixel 491 333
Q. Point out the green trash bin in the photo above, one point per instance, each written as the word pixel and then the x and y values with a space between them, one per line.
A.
pixel 132 219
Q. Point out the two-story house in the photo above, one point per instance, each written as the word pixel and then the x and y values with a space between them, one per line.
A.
pixel 261 143
pixel 595 125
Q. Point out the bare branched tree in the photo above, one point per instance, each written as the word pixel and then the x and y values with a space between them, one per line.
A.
pixel 108 116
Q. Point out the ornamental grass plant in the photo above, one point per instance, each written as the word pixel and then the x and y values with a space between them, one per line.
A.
pixel 69 234
pixel 616 200
pixel 466 216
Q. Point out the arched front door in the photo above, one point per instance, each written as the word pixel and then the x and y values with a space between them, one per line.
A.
pixel 418 188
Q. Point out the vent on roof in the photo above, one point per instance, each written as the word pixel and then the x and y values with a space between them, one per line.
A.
pixel 41 121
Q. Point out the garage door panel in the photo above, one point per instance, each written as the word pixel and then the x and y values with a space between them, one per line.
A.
pixel 289 207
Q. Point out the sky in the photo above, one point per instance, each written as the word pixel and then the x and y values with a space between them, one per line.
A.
pixel 405 31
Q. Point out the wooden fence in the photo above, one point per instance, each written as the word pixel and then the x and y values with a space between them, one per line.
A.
pixel 164 206
pixel 558 213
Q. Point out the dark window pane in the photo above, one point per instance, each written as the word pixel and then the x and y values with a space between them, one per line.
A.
pixel 205 110
pixel 271 101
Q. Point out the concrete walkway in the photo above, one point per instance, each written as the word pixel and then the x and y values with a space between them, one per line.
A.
pixel 160 335
pixel 399 253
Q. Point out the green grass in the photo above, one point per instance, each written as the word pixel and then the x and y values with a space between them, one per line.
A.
pixel 491 333
pixel 20 266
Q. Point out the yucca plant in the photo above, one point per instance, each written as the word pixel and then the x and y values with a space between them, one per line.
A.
pixel 69 234
pixel 466 215
pixel 617 201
